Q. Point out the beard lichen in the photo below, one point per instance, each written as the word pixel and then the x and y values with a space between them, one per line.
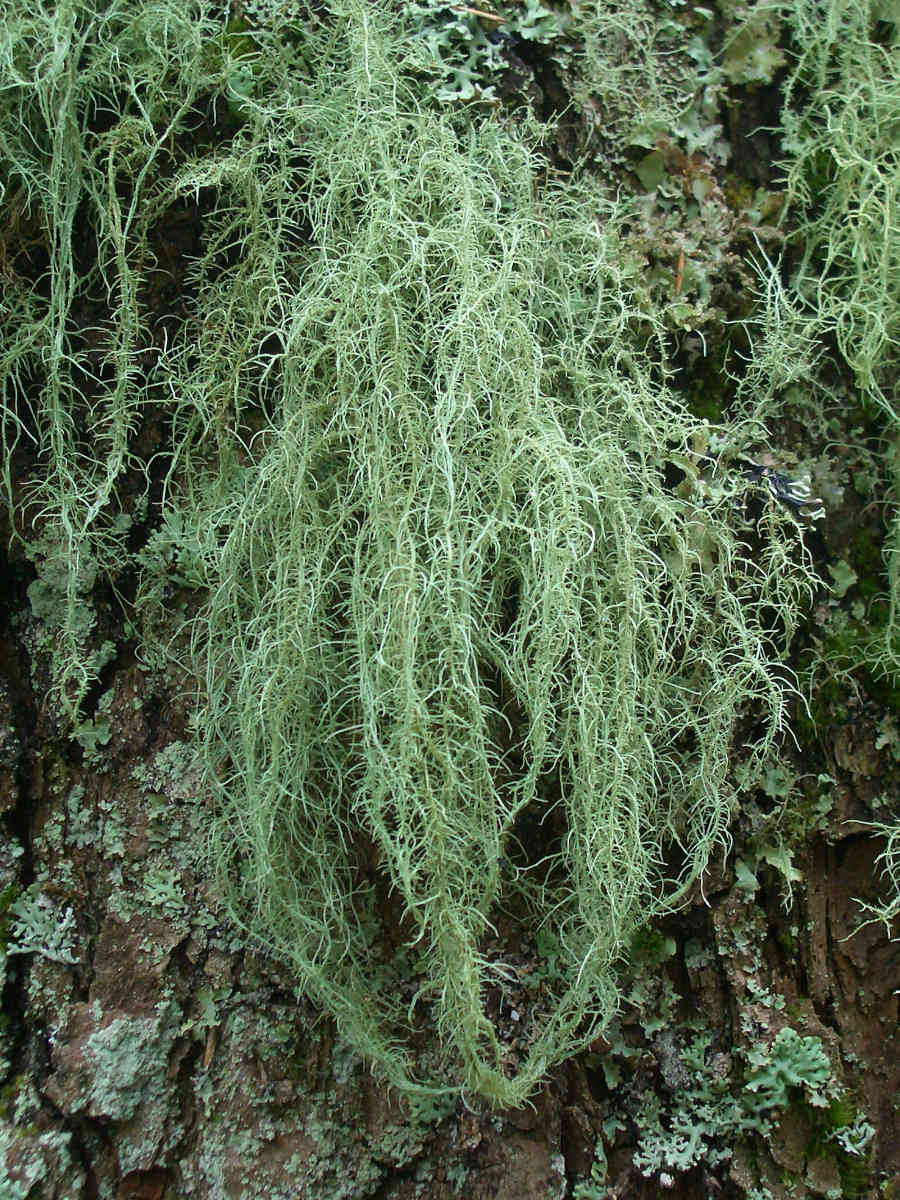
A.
pixel 837 312
pixel 470 665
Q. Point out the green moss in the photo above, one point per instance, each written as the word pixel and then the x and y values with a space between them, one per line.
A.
pixel 8 896
pixel 711 389
pixel 866 555
pixel 650 948
pixel 841 1132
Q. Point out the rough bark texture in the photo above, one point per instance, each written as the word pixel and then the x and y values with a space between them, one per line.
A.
pixel 155 1057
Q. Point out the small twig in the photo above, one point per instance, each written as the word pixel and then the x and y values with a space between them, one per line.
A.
pixel 679 274
pixel 477 12
pixel 210 1048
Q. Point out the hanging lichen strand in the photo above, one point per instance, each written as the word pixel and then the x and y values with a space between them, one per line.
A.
pixel 89 105
pixel 458 629
pixel 470 669
pixel 840 304
pixel 841 126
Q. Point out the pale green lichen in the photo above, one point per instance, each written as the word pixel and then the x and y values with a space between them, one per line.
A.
pixel 840 128
pixel 39 1158
pixel 888 911
pixel 706 1116
pixel 464 54
pixel 40 927
pixel 463 646
pixel 127 1060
